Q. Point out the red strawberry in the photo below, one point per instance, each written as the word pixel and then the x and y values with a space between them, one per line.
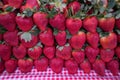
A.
pixel 90 24
pixel 118 38
pixel 1 37
pixel 113 66
pixel 99 67
pixel 7 20
pixel 64 52
pixel 106 54
pixel 78 55
pixel 109 41
pixel 19 51
pixel 46 37
pixel 11 65
pixel 58 21
pixel 11 38
pixel 49 52
pixel 25 65
pixel 5 1
pixel 60 38
pixel 75 6
pixel 117 22
pixel 73 25
pixel 41 20
pixel 72 66
pixel 107 24
pixel 41 64
pixel 93 39
pixel 85 66
pixel 91 53
pixel 35 52
pixel 56 65
pixel 24 23
pixel 117 51
pixel 2 67
pixel 78 40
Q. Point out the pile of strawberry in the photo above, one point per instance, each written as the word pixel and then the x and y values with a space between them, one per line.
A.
pixel 75 34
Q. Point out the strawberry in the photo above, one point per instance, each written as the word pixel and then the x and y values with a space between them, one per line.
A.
pixel 11 65
pixel 60 38
pixel 117 22
pixel 25 65
pixel 35 52
pixel 56 65
pixel 85 66
pixel 93 39
pixel 75 6
pixel 46 37
pixel 90 24
pixel 113 66
pixel 1 37
pixel 5 1
pixel 7 20
pixel 24 23
pixel 19 51
pixel 106 54
pixel 40 20
pixel 107 24
pixel 64 52
pixel 41 64
pixel 99 67
pixel 49 52
pixel 117 51
pixel 78 55
pixel 118 38
pixel 91 53
pixel 109 41
pixel 73 25
pixel 2 67
pixel 72 66
pixel 58 21
pixel 11 38
pixel 78 40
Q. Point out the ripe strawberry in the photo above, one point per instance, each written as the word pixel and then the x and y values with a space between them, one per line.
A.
pixel 60 38
pixel 99 67
pixel 11 65
pixel 41 20
pixel 7 20
pixel 64 52
pixel 85 66
pixel 5 1
pixel 25 65
pixel 93 39
pixel 1 37
pixel 35 52
pixel 107 24
pixel 41 64
pixel 109 41
pixel 11 38
pixel 75 6
pixel 118 38
pixel 78 40
pixel 117 22
pixel 106 54
pixel 24 23
pixel 72 66
pixel 90 24
pixel 56 65
pixel 113 66
pixel 58 21
pixel 78 55
pixel 19 51
pixel 73 25
pixel 117 51
pixel 49 52
pixel 2 67
pixel 46 37
pixel 91 53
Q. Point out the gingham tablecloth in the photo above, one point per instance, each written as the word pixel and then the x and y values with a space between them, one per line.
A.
pixel 50 75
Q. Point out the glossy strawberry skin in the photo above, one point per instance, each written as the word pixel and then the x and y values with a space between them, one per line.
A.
pixel 117 22
pixel 41 64
pixel 40 20
pixel 19 51
pixel 2 67
pixel 73 25
pixel 117 51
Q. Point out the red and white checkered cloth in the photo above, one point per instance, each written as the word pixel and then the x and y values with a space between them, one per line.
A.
pixel 50 75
